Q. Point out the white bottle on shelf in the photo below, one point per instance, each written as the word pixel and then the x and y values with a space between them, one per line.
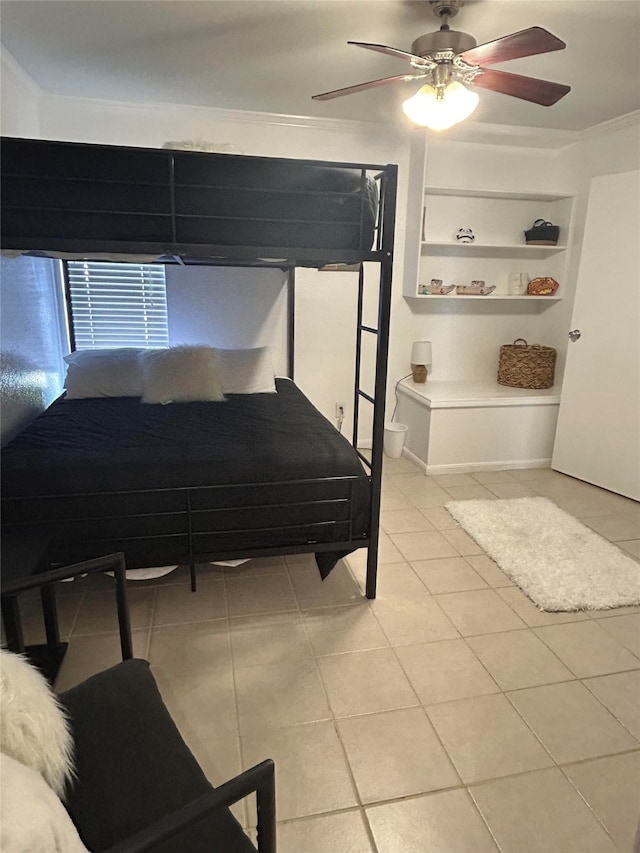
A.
pixel 518 283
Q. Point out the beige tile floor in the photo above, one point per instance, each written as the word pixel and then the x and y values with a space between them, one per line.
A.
pixel 449 714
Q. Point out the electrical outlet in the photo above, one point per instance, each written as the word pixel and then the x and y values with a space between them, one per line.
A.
pixel 339 410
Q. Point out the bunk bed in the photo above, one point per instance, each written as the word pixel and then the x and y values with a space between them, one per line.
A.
pixel 304 489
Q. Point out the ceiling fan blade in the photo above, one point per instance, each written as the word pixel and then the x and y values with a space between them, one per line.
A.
pixel 349 90
pixel 528 42
pixel 532 89
pixel 394 51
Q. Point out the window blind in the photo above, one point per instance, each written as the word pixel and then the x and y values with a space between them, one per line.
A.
pixel 117 305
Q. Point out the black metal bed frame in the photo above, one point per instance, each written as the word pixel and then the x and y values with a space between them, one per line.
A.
pixel 334 533
pixel 287 259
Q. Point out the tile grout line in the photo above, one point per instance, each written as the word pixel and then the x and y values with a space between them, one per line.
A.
pixel 608 710
pixel 568 666
pixel 241 748
pixel 300 613
pixel 243 802
pixel 152 623
pixel 503 693
pixel 586 802
pixel 466 786
pixel 336 729
pixel 436 733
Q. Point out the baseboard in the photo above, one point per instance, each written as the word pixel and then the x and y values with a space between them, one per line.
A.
pixel 416 461
pixel 472 467
pixel 466 467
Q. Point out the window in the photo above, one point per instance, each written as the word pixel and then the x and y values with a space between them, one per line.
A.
pixel 117 305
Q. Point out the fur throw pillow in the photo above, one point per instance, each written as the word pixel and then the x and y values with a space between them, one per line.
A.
pixel 33 728
pixel 181 374
pixel 32 818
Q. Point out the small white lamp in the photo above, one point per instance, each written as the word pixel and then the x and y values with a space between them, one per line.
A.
pixel 420 360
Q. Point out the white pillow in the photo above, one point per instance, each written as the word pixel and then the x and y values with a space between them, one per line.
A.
pixel 103 373
pixel 33 726
pixel 247 371
pixel 181 374
pixel 32 818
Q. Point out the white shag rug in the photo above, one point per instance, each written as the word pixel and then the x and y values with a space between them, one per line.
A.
pixel 556 560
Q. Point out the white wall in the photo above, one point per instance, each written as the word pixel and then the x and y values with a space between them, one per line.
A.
pixel 229 308
pixel 495 167
pixel 19 99
pixel 606 149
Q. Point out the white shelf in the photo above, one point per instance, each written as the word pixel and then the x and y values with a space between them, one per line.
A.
pixel 489 250
pixel 505 194
pixel 485 394
pixel 491 297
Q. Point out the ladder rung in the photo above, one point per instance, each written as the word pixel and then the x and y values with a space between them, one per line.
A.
pixel 366 396
pixel 368 329
pixel 366 461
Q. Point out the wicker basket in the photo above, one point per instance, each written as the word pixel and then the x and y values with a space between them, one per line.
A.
pixel 524 366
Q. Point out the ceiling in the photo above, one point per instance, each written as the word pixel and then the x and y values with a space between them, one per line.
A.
pixel 272 55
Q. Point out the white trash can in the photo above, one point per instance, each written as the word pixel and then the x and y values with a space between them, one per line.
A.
pixel 394 436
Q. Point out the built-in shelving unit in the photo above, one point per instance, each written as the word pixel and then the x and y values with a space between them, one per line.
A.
pixel 498 220
pixel 462 419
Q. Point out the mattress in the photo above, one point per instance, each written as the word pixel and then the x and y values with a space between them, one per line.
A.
pixel 71 198
pixel 163 482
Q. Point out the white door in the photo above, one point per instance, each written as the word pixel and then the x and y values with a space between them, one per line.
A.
pixel 598 435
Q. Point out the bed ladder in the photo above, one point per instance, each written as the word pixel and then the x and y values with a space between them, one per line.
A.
pixel 378 401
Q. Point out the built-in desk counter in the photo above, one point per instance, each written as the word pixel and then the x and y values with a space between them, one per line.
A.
pixel 477 426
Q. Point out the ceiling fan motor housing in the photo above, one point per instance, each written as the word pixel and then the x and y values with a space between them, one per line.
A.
pixel 444 42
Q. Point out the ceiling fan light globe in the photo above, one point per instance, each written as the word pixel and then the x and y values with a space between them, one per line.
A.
pixel 439 113
pixel 460 100
pixel 421 104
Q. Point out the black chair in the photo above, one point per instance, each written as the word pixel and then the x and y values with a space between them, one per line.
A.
pixel 25 566
pixel 139 788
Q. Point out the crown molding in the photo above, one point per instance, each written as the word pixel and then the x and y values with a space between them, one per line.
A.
pixel 12 64
pixel 531 137
pixel 152 108
pixel 631 119
pixel 507 134
pixel 469 131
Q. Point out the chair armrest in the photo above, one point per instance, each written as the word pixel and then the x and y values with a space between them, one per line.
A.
pixel 260 779
pixel 110 563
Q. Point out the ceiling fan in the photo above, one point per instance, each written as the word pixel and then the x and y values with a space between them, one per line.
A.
pixel 447 59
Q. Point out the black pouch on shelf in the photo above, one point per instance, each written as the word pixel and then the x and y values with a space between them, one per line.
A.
pixel 542 233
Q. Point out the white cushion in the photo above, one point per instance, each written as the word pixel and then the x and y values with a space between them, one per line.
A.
pixel 33 727
pixel 247 371
pixel 103 373
pixel 181 374
pixel 32 818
